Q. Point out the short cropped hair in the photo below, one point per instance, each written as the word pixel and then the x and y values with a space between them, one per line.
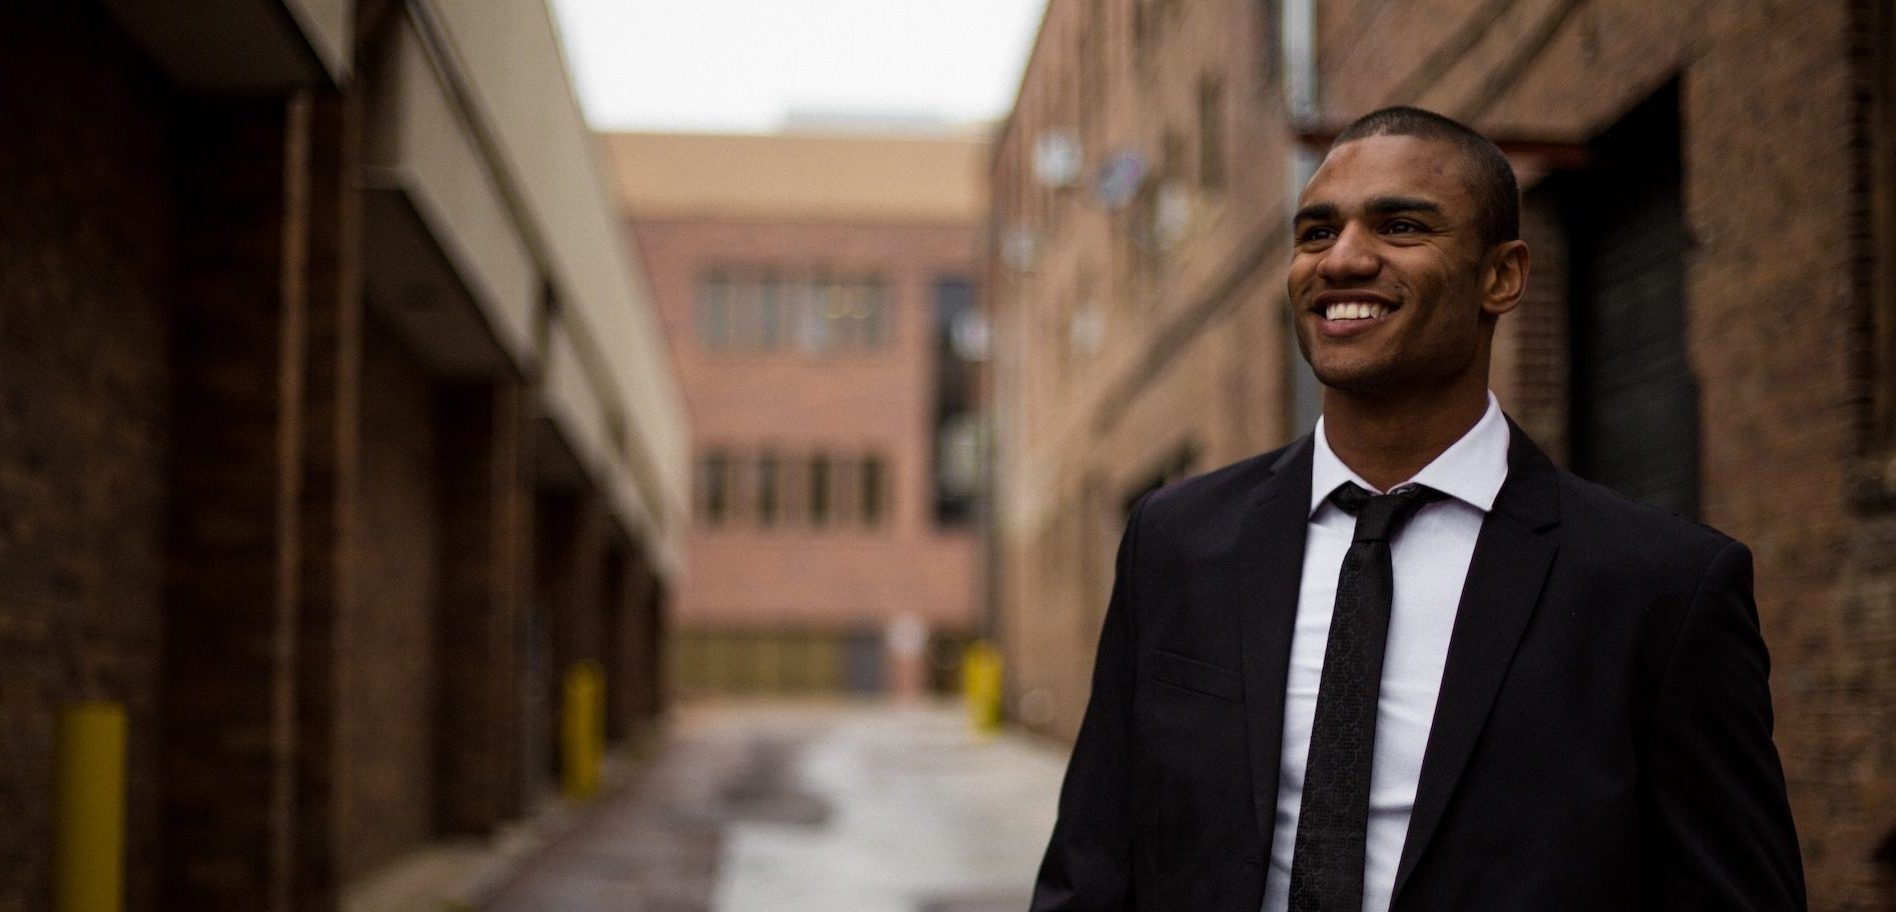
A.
pixel 1491 178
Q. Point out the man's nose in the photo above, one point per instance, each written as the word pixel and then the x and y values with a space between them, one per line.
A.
pixel 1351 258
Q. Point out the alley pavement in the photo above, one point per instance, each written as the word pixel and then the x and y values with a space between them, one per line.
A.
pixel 794 807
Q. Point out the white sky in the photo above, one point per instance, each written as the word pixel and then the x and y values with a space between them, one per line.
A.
pixel 741 65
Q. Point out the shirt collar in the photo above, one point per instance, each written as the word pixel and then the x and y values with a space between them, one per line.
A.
pixel 1471 470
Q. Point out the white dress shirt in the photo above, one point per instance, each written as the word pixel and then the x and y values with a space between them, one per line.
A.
pixel 1430 556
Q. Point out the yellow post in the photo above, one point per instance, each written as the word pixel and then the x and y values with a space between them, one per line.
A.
pixel 89 796
pixel 981 686
pixel 583 729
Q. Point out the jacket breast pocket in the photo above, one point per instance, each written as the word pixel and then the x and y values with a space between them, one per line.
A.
pixel 1193 675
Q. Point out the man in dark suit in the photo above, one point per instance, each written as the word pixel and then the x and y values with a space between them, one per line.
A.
pixel 1405 662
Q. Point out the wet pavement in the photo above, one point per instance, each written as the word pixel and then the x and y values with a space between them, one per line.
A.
pixel 799 808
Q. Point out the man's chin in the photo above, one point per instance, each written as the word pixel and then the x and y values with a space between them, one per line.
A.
pixel 1362 379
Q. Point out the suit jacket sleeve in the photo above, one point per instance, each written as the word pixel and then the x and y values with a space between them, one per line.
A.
pixel 1088 865
pixel 1720 822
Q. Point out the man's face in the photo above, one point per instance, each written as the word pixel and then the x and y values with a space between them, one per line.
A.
pixel 1386 285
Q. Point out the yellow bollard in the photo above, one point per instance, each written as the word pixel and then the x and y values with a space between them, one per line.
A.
pixel 583 730
pixel 89 792
pixel 981 686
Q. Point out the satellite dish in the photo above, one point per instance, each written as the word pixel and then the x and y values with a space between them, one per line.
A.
pixel 1057 158
pixel 1119 179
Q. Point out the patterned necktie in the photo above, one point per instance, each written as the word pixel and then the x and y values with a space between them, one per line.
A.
pixel 1326 870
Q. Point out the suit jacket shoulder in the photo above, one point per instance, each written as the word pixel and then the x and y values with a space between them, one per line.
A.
pixel 1640 557
pixel 1598 516
pixel 1211 505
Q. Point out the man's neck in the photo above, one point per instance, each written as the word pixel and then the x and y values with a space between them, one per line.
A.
pixel 1388 439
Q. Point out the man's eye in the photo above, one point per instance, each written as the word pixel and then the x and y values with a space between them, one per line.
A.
pixel 1402 226
pixel 1314 234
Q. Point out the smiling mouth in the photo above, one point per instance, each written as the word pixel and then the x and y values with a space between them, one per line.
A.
pixel 1335 308
pixel 1355 310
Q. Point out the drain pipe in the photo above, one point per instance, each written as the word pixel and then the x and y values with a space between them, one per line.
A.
pixel 1297 34
pixel 1299 38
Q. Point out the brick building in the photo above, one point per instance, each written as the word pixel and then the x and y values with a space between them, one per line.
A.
pixel 811 288
pixel 334 432
pixel 1707 192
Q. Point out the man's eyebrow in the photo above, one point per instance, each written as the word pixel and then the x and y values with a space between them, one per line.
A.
pixel 1392 205
pixel 1315 212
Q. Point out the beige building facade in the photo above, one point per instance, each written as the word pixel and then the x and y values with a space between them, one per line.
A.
pixel 1706 193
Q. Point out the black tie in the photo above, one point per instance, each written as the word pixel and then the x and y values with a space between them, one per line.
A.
pixel 1326 870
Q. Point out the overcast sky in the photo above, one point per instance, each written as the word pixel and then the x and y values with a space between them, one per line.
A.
pixel 742 65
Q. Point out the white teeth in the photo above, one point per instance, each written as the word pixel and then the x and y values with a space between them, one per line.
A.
pixel 1354 310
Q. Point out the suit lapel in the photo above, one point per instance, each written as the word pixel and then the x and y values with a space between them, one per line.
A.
pixel 1504 583
pixel 1271 550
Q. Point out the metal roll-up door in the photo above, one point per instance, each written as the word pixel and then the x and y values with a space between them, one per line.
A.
pixel 1635 405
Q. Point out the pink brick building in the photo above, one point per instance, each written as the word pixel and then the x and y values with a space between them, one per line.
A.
pixel 812 289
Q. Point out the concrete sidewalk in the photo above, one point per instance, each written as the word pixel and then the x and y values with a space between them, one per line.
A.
pixel 845 807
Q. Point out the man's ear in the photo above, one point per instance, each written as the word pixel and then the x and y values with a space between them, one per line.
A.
pixel 1504 278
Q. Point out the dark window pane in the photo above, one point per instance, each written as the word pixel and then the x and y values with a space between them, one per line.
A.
pixel 818 333
pixel 956 470
pixel 873 505
pixel 1210 135
pixel 714 302
pixel 819 491
pixel 769 313
pixel 875 321
pixel 714 485
pixel 769 489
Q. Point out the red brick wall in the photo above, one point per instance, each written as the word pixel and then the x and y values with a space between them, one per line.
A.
pixel 84 245
pixel 485 525
pixel 230 743
pixel 631 655
pixel 214 512
pixel 1766 112
pixel 386 696
pixel 1776 324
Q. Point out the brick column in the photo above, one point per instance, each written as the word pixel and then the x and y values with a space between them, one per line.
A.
pixel 571 575
pixel 264 327
pixel 328 490
pixel 570 527
pixel 652 639
pixel 632 654
pixel 486 516
pixel 615 609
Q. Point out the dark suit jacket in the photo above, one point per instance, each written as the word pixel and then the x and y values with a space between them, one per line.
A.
pixel 1602 740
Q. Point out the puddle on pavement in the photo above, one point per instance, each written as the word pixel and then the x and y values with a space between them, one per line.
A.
pixel 765 788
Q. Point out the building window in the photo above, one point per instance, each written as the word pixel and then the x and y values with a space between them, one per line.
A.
pixel 769 313
pixel 818 317
pixel 769 489
pixel 874 503
pixel 846 314
pixel 1145 26
pixel 819 490
pixel 1881 142
pixel 765 311
pixel 714 487
pixel 957 450
pixel 1873 227
pixel 875 322
pixel 1211 140
pixel 1269 41
pixel 714 317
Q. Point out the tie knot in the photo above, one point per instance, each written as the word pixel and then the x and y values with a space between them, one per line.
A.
pixel 1378 516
